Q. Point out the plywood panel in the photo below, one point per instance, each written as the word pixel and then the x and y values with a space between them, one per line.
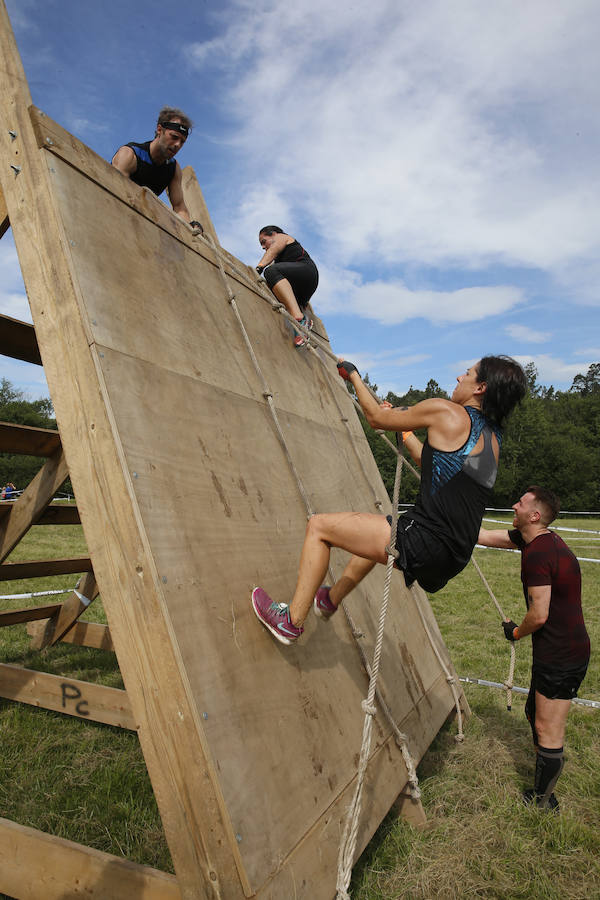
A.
pixel 187 501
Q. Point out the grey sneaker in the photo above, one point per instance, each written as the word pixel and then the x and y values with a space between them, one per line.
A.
pixel 300 339
pixel 322 605
pixel 275 617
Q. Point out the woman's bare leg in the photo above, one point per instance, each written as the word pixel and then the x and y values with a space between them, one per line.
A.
pixel 357 569
pixel 365 535
pixel 285 294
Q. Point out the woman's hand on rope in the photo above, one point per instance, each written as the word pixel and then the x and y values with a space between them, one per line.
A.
pixel 346 369
pixel 511 630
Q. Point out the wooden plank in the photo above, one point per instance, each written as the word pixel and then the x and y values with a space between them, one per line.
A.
pixel 27 440
pixel 72 608
pixel 35 498
pixel 84 634
pixel 202 843
pixel 36 865
pixel 55 514
pixel 410 809
pixel 38 568
pixel 4 220
pixel 18 340
pixel 82 699
pixel 196 204
pixel 29 614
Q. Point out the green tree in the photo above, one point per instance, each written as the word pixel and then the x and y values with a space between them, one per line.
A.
pixel 16 409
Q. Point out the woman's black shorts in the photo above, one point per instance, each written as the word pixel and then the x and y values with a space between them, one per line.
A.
pixel 423 557
pixel 303 277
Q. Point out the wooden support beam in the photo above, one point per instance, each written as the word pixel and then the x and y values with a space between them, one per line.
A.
pixel 36 865
pixel 82 699
pixel 72 608
pixel 194 199
pixel 84 634
pixel 38 568
pixel 4 220
pixel 56 514
pixel 410 809
pixel 29 614
pixel 32 502
pixel 28 441
pixel 18 340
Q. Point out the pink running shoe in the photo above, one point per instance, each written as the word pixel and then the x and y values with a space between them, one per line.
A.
pixel 275 617
pixel 322 605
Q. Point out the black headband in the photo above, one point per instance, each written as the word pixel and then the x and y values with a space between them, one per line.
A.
pixel 176 126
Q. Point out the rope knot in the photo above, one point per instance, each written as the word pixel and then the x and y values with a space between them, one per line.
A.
pixel 368 709
pixel 378 504
pixel 392 551
pixel 451 679
pixel 267 394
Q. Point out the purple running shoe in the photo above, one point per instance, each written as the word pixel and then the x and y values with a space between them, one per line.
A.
pixel 322 605
pixel 275 617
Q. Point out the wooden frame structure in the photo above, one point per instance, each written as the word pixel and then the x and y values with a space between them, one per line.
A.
pixel 186 501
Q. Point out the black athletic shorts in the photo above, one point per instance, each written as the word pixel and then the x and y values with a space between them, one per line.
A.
pixel 303 277
pixel 423 557
pixel 555 683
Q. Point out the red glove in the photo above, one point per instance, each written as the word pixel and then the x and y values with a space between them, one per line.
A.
pixel 346 369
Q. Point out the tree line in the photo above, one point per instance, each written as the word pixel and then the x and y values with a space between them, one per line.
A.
pixel 551 439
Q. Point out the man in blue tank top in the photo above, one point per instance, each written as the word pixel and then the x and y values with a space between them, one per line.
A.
pixel 152 164
pixel 435 538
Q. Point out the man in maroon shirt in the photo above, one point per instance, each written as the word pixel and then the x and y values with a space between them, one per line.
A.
pixel 561 646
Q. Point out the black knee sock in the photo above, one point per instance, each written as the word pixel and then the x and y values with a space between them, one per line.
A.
pixel 549 764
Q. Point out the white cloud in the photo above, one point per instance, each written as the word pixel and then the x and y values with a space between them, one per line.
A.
pixel 13 300
pixel 590 352
pixel 553 371
pixel 529 335
pixel 439 133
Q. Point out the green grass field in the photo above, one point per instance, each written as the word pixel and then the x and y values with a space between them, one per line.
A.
pixel 88 782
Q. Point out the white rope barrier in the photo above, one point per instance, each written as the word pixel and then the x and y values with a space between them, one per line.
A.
pixel 509 550
pixel 554 527
pixel 35 594
pixel 580 701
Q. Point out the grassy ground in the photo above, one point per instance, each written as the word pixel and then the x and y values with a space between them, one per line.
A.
pixel 88 782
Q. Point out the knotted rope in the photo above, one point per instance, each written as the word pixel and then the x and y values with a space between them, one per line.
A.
pixel 350 834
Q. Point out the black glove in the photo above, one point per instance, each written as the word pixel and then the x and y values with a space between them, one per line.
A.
pixel 509 628
pixel 195 224
pixel 260 269
pixel 346 369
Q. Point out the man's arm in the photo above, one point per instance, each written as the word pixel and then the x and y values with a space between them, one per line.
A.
pixel 495 538
pixel 125 161
pixel 175 192
pixel 538 610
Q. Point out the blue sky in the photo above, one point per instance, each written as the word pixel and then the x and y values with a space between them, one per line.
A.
pixel 438 160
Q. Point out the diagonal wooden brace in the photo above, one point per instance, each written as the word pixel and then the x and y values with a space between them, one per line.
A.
pixel 32 502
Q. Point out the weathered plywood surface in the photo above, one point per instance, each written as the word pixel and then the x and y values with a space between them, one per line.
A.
pixel 187 502
pixel 222 512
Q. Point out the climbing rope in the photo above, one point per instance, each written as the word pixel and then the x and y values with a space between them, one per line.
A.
pixel 350 834
pixel 508 684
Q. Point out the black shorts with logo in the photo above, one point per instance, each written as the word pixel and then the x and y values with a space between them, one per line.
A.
pixel 424 558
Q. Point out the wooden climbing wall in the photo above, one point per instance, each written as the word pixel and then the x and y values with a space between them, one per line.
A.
pixel 187 501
